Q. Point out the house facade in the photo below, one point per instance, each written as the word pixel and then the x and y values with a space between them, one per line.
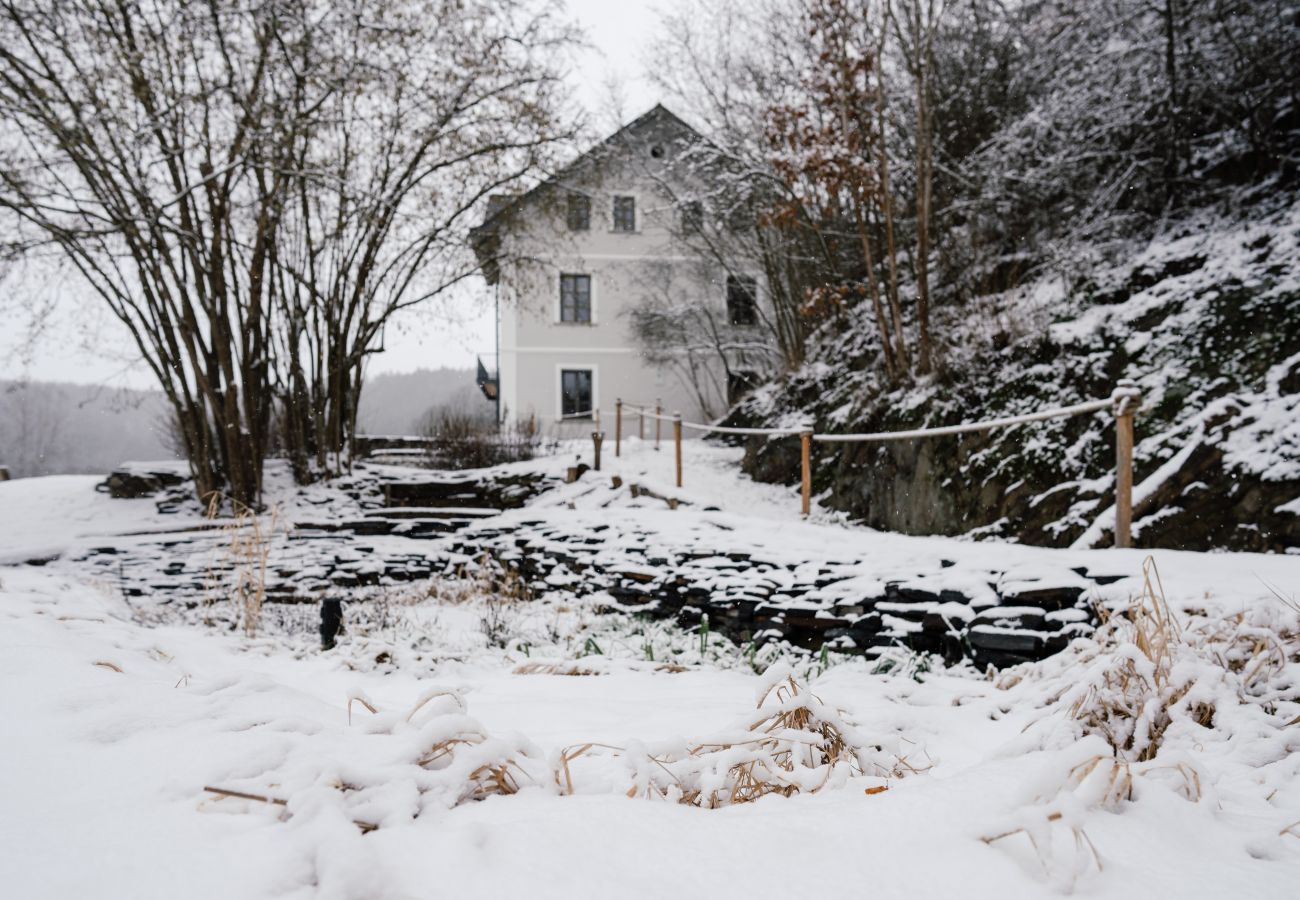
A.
pixel 604 292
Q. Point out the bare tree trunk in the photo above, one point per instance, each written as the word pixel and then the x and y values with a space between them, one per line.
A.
pixel 923 185
pixel 887 208
pixel 887 351
pixel 1174 152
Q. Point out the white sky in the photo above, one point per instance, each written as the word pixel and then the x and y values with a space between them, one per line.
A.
pixel 81 343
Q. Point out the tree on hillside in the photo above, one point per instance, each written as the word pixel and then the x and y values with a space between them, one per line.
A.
pixel 1007 139
pixel 810 104
pixel 254 189
pixel 830 152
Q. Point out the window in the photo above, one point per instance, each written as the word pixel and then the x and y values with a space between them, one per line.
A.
pixel 575 393
pixel 625 214
pixel 579 214
pixel 692 216
pixel 575 298
pixel 742 300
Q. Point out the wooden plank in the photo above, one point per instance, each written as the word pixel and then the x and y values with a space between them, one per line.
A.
pixel 677 439
pixel 1124 477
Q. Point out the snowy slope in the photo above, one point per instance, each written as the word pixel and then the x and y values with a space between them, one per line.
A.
pixel 1204 317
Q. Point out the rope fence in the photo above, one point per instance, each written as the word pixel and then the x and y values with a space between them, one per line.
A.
pixel 1123 401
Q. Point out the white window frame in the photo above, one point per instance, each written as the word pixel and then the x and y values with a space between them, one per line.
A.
pixel 558 310
pixel 636 218
pixel 560 369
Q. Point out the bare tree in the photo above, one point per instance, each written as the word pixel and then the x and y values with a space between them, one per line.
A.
pixel 254 188
pixel 428 113
pixel 831 152
pixel 136 130
pixel 916 23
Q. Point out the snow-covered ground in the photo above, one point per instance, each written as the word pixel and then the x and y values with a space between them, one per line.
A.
pixel 118 715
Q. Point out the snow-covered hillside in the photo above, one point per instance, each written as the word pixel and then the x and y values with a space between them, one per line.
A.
pixel 1205 318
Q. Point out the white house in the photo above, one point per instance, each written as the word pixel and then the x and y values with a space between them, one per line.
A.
pixel 602 293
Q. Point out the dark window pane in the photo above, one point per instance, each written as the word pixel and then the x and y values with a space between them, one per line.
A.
pixel 625 214
pixel 742 300
pixel 575 390
pixel 575 298
pixel 579 212
pixel 692 216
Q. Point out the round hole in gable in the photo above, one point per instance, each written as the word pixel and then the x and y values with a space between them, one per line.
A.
pixel 657 151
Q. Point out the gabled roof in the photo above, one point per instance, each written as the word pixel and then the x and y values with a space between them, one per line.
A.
pixel 657 121
pixel 658 116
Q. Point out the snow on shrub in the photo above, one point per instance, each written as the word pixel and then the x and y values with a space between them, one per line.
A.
pixel 1161 691
pixel 792 743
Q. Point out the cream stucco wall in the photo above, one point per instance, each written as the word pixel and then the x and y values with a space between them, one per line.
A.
pixel 627 270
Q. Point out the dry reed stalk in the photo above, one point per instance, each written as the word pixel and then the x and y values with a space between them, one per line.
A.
pixel 577 669
pixel 503 777
pixel 363 702
pixel 797 736
pixel 249 537
pixel 1120 706
pixel 1115 788
pixel 1081 840
pixel 487 577
pixel 1141 691
pixel 431 696
pixel 223 793
pixel 103 663
pixel 556 668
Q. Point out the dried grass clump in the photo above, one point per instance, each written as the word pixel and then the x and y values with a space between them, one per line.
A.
pixel 494 588
pixel 793 743
pixel 575 668
pixel 554 668
pixel 471 582
pixel 1099 782
pixel 470 763
pixel 249 537
pixel 449 757
pixel 1135 696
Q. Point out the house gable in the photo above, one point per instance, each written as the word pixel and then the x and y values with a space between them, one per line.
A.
pixel 648 148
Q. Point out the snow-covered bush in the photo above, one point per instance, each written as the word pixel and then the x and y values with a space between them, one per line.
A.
pixel 792 743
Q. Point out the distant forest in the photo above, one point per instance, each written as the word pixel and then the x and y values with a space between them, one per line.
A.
pixel 403 403
pixel 52 428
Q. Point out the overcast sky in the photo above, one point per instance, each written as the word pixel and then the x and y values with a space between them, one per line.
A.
pixel 81 343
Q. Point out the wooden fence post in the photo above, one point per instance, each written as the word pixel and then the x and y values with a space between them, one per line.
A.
pixel 677 439
pixel 640 423
pixel 596 438
pixel 618 427
pixel 1127 399
pixel 805 458
pixel 659 411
